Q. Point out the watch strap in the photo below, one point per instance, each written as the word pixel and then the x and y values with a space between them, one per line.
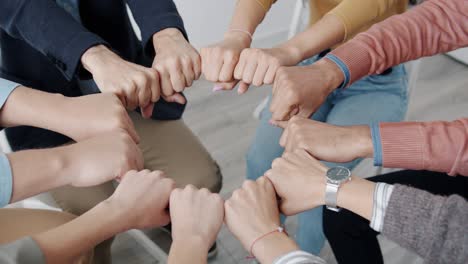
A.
pixel 331 196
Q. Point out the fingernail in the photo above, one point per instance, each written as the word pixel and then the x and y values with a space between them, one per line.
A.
pixel 217 88
pixel 271 122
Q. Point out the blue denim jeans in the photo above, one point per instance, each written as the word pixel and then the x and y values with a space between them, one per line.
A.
pixel 373 98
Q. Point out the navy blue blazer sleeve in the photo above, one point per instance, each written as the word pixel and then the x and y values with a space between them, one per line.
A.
pixel 153 16
pixel 49 29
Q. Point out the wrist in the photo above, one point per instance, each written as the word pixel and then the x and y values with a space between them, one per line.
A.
pixel 93 56
pixel 116 215
pixel 191 241
pixel 273 246
pixel 357 196
pixel 332 73
pixel 363 140
pixel 160 38
pixel 240 37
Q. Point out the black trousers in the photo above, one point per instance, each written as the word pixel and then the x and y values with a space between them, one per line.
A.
pixel 350 236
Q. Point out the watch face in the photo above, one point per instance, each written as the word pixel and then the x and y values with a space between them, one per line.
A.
pixel 338 173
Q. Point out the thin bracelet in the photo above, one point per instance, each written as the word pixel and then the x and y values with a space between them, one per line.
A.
pixel 279 230
pixel 243 31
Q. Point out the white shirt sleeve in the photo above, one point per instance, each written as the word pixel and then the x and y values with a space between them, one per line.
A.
pixel 382 194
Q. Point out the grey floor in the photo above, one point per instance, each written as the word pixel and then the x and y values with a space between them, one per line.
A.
pixel 224 123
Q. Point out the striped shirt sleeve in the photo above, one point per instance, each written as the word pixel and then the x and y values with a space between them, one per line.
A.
pixel 382 194
pixel 299 257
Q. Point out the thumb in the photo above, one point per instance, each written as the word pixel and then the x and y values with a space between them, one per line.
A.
pixel 147 111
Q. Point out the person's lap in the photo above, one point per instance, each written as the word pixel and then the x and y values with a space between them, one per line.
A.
pixel 18 223
pixel 375 98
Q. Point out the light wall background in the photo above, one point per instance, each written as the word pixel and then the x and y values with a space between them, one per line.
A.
pixel 207 20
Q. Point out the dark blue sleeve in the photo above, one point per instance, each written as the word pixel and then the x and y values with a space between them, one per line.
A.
pixel 49 29
pixel 153 16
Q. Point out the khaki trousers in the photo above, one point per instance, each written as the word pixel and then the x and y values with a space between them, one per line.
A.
pixel 169 146
pixel 18 223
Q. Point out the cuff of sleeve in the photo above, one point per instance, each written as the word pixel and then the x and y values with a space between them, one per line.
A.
pixel 377 143
pixel 69 62
pixel 382 194
pixel 298 256
pixel 151 26
pixel 342 66
pixel 6 88
pixel 6 180
pixel 402 145
pixel 355 58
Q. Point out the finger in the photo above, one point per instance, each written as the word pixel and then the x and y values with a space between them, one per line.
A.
pixel 259 75
pixel 243 87
pixel 282 111
pixel 226 73
pixel 249 71
pixel 196 66
pixel 175 98
pixel 144 95
pixel 147 111
pixel 284 136
pixel 270 75
pixel 282 124
pixel 224 86
pixel 131 129
pixel 285 207
pixel 155 87
pixel 213 67
pixel 177 80
pixel 239 70
pixel 188 73
pixel 165 219
pixel 132 97
pixel 139 161
pixel 166 84
pixel 306 113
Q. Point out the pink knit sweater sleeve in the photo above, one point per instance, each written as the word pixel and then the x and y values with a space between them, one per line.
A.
pixel 435 26
pixel 436 146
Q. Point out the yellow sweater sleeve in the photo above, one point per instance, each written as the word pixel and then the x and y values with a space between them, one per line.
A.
pixel 266 4
pixel 355 14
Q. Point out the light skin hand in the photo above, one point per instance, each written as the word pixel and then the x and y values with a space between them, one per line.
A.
pixel 219 60
pixel 299 180
pixel 140 201
pixel 79 118
pixel 87 163
pixel 251 212
pixel 300 90
pixel 135 85
pixel 259 66
pixel 101 159
pixel 197 217
pixel 143 199
pixel 177 62
pixel 326 142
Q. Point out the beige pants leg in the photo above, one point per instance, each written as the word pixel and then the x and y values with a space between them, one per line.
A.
pixel 169 146
pixel 18 223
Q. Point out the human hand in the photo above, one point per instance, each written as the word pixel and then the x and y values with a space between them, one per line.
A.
pixel 143 199
pixel 259 66
pixel 91 115
pixel 219 60
pixel 135 85
pixel 326 142
pixel 177 62
pixel 300 90
pixel 252 211
pixel 299 180
pixel 196 215
pixel 101 159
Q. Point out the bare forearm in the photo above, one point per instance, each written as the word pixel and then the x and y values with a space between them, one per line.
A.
pixel 248 14
pixel 64 243
pixel 189 250
pixel 322 35
pixel 26 106
pixel 357 196
pixel 37 171
pixel 273 246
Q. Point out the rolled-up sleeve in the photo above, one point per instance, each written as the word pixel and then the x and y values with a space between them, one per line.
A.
pixel 6 180
pixel 6 87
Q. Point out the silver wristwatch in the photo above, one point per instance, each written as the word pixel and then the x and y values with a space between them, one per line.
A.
pixel 336 177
